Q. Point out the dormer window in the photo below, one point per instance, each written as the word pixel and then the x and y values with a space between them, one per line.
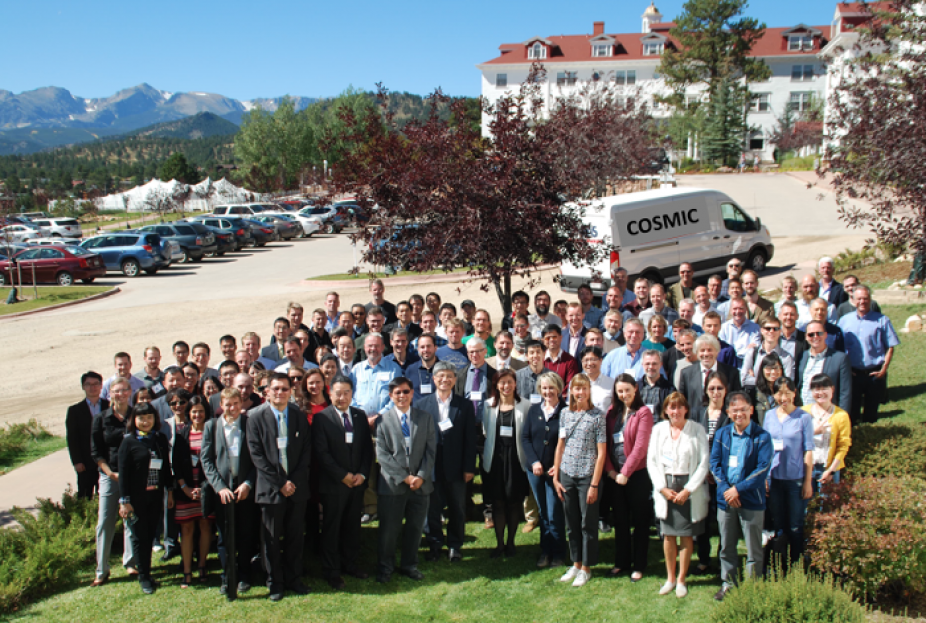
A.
pixel 800 43
pixel 601 49
pixel 537 52
pixel 653 49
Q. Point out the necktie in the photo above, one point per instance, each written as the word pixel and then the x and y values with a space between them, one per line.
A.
pixel 346 369
pixel 706 373
pixel 284 434
pixel 475 388
pixel 282 352
pixel 405 429
pixel 348 426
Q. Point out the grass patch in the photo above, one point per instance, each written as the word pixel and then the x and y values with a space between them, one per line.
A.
pixel 24 443
pixel 48 295
pixel 907 385
pixel 879 276
pixel 383 275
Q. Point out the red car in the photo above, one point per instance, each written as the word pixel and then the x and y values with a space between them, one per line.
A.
pixel 53 264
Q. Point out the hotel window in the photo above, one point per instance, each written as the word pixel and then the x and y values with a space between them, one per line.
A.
pixel 625 77
pixel 800 43
pixel 566 78
pixel 760 102
pixel 800 101
pixel 536 51
pixel 801 73
pixel 601 49
pixel 652 49
pixel 501 80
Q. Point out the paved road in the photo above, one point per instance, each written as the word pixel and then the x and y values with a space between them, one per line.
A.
pixel 44 355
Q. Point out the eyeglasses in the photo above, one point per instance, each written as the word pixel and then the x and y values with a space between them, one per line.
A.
pixel 403 392
pixel 178 403
pixel 771 328
pixel 715 389
pixel 816 334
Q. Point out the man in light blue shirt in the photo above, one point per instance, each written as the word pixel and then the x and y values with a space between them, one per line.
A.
pixel 627 358
pixel 371 378
pixel 592 315
pixel 870 340
pixel 740 332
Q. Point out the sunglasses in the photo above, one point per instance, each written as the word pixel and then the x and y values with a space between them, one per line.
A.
pixel 770 328
pixel 403 392
pixel 178 403
pixel 816 334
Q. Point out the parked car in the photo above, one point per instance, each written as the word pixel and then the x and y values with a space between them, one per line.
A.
pixel 129 252
pixel 285 228
pixel 33 215
pixel 20 233
pixel 61 265
pixel 11 249
pixel 261 232
pixel 234 224
pixel 224 238
pixel 354 212
pixel 172 251
pixel 58 242
pixel 332 221
pixel 195 245
pixel 60 227
pixel 240 209
pixel 309 224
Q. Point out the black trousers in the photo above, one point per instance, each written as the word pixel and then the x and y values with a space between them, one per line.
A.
pixel 867 395
pixel 340 540
pixel 148 510
pixel 244 543
pixel 88 482
pixel 632 508
pixel 452 495
pixel 413 508
pixel 284 538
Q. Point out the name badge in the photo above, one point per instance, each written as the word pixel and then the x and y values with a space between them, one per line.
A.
pixel 383 377
pixel 445 425
pixel 734 460
pixel 630 372
pixel 778 444
pixel 157 387
pixel 195 460
pixel 426 388
pixel 282 442
pixel 348 437
pixel 652 408
pixel 475 395
pixel 233 449
pixel 618 437
pixel 506 431
pixel 536 399
pixel 667 460
pixel 156 463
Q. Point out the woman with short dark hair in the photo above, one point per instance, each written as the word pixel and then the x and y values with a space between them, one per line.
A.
pixel 832 432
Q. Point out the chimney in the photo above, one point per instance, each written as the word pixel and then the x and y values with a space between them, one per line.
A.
pixel 598 28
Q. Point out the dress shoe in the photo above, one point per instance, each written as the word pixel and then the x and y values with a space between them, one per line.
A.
pixel 243 587
pixel 368 518
pixel 497 552
pixel 100 581
pixel 412 574
pixel 543 562
pixel 510 551
pixel 719 595
pixel 337 583
pixel 455 555
pixel 384 578
pixel 557 562
pixel 358 573
pixel 223 590
pixel 529 527
pixel 603 526
pixel 147 586
pixel 433 554
pixel 299 588
pixel 275 597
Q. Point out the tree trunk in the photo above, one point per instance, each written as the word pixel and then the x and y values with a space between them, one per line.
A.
pixel 503 291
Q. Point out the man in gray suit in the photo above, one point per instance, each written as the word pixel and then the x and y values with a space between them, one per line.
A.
pixel 406 444
pixel 274 351
pixel 821 359
pixel 227 464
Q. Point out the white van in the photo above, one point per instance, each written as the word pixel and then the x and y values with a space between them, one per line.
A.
pixel 650 233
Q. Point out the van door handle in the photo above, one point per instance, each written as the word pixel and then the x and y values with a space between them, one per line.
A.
pixel 716 237
pixel 727 236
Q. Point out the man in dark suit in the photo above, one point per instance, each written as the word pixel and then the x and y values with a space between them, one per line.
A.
pixel 278 438
pixel 691 380
pixel 455 464
pixel 173 378
pixel 344 453
pixel 78 424
pixel 226 461
pixel 821 359
pixel 574 331
pixel 274 350
pixel 403 312
pixel 406 444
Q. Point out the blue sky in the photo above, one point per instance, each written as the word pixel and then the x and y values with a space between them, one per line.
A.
pixel 276 47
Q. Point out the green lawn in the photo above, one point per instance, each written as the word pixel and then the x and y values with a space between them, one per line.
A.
pixel 48 295
pixel 33 451
pixel 906 379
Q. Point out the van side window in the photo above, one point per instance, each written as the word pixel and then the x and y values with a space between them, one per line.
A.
pixel 734 219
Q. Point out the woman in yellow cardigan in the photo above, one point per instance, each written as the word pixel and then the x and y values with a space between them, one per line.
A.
pixel 832 430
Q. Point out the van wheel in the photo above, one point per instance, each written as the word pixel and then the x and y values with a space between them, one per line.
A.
pixel 652 276
pixel 757 260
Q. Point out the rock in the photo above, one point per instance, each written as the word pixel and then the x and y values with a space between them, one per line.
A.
pixel 893 286
pixel 918 286
pixel 914 324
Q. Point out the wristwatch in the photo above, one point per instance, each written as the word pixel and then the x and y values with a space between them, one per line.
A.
pixel 125 500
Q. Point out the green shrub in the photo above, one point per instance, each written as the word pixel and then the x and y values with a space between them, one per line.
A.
pixel 887 449
pixel 14 437
pixel 797 597
pixel 871 534
pixel 47 550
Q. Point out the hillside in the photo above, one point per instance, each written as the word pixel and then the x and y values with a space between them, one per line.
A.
pixel 200 125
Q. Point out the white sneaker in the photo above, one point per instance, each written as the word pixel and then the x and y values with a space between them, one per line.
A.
pixel 681 590
pixel 667 588
pixel 569 575
pixel 582 578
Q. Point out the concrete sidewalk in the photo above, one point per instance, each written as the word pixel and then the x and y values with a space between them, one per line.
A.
pixel 46 478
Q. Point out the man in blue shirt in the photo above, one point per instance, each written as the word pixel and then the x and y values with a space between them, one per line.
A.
pixel 454 352
pixel 870 340
pixel 740 460
pixel 592 316
pixel 740 332
pixel 626 357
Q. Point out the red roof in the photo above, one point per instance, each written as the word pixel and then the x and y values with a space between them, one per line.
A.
pixel 629 46
pixel 858 7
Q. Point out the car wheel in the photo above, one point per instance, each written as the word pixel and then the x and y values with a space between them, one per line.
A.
pixel 185 257
pixel 757 260
pixel 151 271
pixel 130 268
pixel 652 276
pixel 262 244
pixel 329 228
pixel 56 235
pixel 2 280
pixel 89 280
pixel 64 278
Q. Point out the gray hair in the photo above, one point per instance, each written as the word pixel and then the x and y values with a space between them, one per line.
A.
pixel 634 320
pixel 825 260
pixel 651 353
pixel 687 302
pixel 707 340
pixel 367 337
pixel 553 379
pixel 444 366
pixel 476 341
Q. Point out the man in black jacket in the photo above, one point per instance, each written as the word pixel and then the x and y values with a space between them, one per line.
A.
pixel 78 424
pixel 455 464
pixel 691 380
pixel 278 438
pixel 343 449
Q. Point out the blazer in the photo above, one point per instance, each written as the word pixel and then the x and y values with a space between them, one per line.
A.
pixel 840 438
pixel 539 437
pixel 460 389
pixel 691 382
pixel 335 457
pixel 836 365
pixel 216 461
pixel 78 425
pixel 272 353
pixel 637 430
pixel 395 464
pixel 694 438
pixel 262 443
pixel 134 461
pixel 764 309
pixel 489 419
pixel 837 294
pixel 567 341
pixel 457 444
pixel 514 364
pixel 699 414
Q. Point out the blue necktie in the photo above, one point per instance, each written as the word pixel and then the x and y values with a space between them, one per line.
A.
pixel 405 429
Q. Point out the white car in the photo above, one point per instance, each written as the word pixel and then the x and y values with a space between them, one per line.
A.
pixel 46 242
pixel 60 227
pixel 21 233
pixel 310 224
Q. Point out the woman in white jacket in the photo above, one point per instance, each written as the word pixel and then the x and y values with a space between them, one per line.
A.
pixel 678 462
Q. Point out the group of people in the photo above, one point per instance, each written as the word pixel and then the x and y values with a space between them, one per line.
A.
pixel 698 405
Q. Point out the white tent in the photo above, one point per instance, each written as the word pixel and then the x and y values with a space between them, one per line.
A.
pixel 199 197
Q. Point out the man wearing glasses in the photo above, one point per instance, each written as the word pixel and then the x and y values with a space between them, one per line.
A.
pixel 770 334
pixel 734 270
pixel 683 288
pixel 821 359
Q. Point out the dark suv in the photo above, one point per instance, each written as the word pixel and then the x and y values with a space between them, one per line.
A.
pixel 234 224
pixel 129 252
pixel 194 244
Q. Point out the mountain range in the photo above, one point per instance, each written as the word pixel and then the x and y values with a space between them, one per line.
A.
pixel 51 116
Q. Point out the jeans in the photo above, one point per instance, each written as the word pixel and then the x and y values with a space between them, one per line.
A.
pixel 818 470
pixel 732 523
pixel 581 519
pixel 552 517
pixel 106 528
pixel 788 511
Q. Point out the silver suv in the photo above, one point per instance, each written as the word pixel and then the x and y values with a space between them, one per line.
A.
pixel 59 227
